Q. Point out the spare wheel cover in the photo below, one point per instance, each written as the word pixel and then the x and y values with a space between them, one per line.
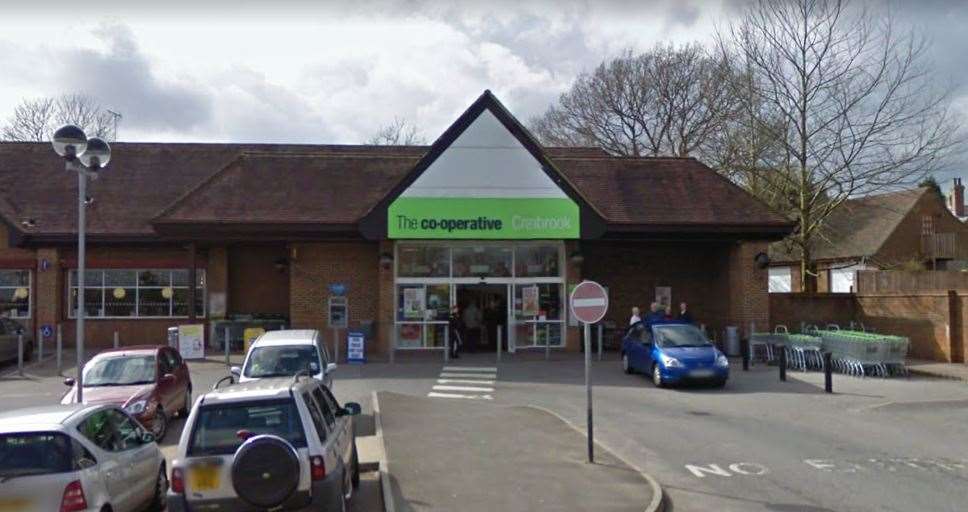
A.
pixel 265 472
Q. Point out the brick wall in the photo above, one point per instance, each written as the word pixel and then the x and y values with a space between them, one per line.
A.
pixel 790 309
pixel 748 294
pixel 255 285
pixel 314 266
pixel 924 318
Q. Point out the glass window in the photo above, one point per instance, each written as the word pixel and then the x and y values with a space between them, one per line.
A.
pixel 15 293
pixel 438 302
pixel 281 361
pixel 34 453
pixel 216 429
pixel 538 302
pixel 536 261
pixel 98 429
pixel 411 302
pixel 324 405
pixel 148 293
pixel 120 371
pixel 130 435
pixel 679 336
pixel 482 260
pixel 423 261
pixel 316 416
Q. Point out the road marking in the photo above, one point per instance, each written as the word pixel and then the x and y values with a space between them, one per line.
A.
pixel 463 388
pixel 453 395
pixel 465 381
pixel 749 468
pixel 739 468
pixel 489 376
pixel 491 369
pixel 712 469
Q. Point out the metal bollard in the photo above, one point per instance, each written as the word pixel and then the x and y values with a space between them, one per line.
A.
pixel 828 372
pixel 547 343
pixel 447 346
pixel 499 343
pixel 40 344
pixel 20 354
pixel 228 363
pixel 60 349
pixel 744 348
pixel 783 362
pixel 601 329
pixel 117 339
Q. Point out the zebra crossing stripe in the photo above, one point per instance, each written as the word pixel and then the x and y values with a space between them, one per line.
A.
pixel 454 395
pixel 464 381
pixel 463 388
pixel 491 369
pixel 452 375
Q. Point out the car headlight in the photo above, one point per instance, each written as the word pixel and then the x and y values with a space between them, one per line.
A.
pixel 136 407
pixel 671 362
pixel 721 361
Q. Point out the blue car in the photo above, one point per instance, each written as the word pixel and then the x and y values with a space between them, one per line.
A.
pixel 673 352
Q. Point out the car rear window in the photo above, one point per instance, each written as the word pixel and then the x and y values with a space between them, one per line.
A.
pixel 216 431
pixel 281 361
pixel 34 453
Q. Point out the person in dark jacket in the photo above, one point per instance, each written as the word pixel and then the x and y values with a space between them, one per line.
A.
pixel 684 314
pixel 456 332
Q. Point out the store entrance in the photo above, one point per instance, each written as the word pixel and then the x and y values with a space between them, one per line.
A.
pixel 484 309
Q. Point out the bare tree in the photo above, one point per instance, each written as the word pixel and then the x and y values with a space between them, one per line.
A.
pixel 397 133
pixel 847 99
pixel 667 101
pixel 36 119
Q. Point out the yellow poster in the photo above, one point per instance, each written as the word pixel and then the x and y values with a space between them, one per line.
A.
pixel 191 341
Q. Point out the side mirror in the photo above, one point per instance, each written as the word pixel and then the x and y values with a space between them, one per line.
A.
pixel 69 382
pixel 352 408
pixel 147 438
pixel 330 367
pixel 236 370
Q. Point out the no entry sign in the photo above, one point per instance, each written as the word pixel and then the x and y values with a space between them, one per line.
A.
pixel 589 302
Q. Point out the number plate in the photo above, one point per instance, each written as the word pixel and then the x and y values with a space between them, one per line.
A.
pixel 13 505
pixel 701 373
pixel 204 478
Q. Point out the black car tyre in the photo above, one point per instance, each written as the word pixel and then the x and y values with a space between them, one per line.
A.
pixel 657 376
pixel 720 383
pixel 183 412
pixel 265 472
pixel 158 502
pixel 160 426
pixel 626 364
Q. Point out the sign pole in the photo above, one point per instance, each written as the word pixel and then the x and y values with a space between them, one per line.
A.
pixel 588 392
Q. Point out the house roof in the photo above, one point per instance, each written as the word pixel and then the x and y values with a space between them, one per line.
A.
pixel 857 229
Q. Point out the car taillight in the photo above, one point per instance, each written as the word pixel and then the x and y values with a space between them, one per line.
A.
pixel 317 467
pixel 177 481
pixel 73 499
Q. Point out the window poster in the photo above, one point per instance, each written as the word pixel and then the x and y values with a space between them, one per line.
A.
pixel 663 295
pixel 529 301
pixel 191 341
pixel 413 306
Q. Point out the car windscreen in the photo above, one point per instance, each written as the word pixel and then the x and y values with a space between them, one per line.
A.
pixel 281 361
pixel 668 336
pixel 34 453
pixel 217 428
pixel 120 371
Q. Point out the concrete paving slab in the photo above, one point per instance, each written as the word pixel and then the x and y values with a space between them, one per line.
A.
pixel 473 456
pixel 955 371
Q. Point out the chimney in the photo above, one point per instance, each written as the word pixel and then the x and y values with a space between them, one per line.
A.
pixel 958 198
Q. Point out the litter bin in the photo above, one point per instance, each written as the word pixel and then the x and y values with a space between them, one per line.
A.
pixel 732 341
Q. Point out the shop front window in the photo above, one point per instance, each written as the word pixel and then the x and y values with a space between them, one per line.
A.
pixel 15 293
pixel 482 261
pixel 536 261
pixel 423 261
pixel 123 293
pixel 538 314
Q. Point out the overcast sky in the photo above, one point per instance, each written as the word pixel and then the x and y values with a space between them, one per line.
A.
pixel 320 72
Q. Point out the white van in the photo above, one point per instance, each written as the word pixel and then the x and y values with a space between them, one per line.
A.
pixel 286 353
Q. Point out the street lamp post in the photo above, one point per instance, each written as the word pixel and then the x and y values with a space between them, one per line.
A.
pixel 86 157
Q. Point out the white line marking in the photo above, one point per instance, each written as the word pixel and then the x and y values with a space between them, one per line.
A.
pixel 582 303
pixel 453 395
pixel 470 369
pixel 463 388
pixel 469 375
pixel 465 381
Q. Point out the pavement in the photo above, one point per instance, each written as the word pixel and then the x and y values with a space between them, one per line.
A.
pixel 474 456
pixel 954 371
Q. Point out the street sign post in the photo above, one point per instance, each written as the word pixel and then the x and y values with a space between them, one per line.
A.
pixel 589 302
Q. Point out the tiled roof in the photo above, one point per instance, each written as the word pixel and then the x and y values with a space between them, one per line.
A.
pixel 857 229
pixel 315 184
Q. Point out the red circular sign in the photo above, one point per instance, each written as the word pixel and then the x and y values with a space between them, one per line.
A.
pixel 589 302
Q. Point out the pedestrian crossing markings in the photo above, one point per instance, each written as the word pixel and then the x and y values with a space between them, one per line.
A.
pixel 465 382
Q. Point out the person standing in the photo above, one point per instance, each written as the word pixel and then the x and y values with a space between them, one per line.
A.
pixel 655 313
pixel 635 316
pixel 456 331
pixel 684 314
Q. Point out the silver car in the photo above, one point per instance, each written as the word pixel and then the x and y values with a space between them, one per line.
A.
pixel 78 458
pixel 267 444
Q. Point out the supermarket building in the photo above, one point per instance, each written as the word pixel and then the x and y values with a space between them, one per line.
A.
pixel 271 233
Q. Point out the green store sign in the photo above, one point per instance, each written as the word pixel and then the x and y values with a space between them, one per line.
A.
pixel 483 218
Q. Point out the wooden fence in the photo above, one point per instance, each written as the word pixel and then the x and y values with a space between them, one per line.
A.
pixel 903 281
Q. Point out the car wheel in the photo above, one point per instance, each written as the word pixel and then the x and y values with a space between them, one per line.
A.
pixel 720 383
pixel 158 502
pixel 626 364
pixel 160 426
pixel 657 376
pixel 183 412
pixel 356 469
pixel 342 497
